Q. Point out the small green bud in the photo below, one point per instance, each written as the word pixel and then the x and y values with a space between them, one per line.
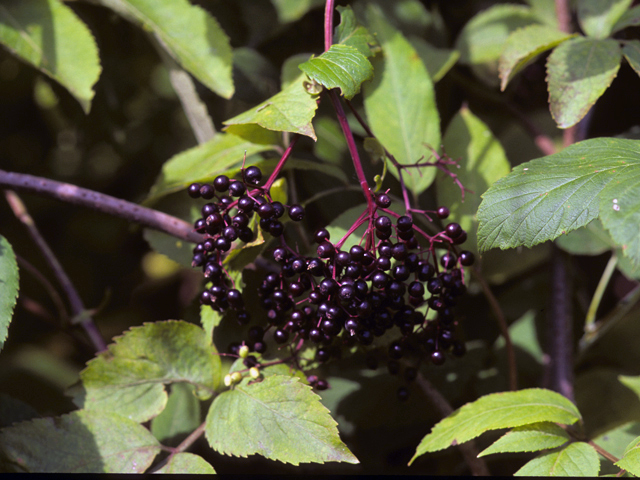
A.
pixel 236 377
pixel 254 372
pixel 243 351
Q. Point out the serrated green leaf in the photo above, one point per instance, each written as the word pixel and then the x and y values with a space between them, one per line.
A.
pixel 48 35
pixel 482 161
pixel 291 110
pixel 616 441
pixel 591 239
pixel 631 51
pixel 400 103
pixel 351 33
pixel 630 460
pixel 209 319
pixel 80 442
pixel 8 286
pixel 185 462
pixel 529 438
pixel 179 418
pixel 189 33
pixel 203 163
pixel 278 418
pixel 575 460
pixel 483 38
pixel 498 410
pixel 292 10
pixel 438 61
pixel 546 197
pixel 129 378
pixel 342 66
pixel 578 72
pixel 630 18
pixel 524 45
pixel 597 17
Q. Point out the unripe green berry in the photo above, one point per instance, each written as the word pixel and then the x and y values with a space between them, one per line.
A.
pixel 236 377
pixel 227 380
pixel 254 372
pixel 243 351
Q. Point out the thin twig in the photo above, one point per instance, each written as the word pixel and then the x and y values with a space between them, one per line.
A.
pixel 46 284
pixel 504 328
pixel 469 450
pixel 589 323
pixel 77 306
pixel 103 203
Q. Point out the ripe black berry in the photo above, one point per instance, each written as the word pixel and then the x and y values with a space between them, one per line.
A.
pixel 438 357
pixel 207 191
pixel 221 183
pixel 443 212
pixel 245 204
pixel 266 210
pixel 252 175
pixel 194 190
pixel 323 354
pixel 278 209
pixel 395 351
pixel 237 189
pixel 448 260
pixel 404 223
pixel 296 213
pixel 453 230
pixel 382 200
pixel 466 258
pixel 325 250
pixel 383 223
pixel 280 336
pixel 321 235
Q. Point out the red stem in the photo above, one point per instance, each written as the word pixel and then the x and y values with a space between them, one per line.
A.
pixel 280 165
pixel 328 24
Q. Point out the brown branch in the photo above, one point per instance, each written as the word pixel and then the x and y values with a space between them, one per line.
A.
pixel 468 449
pixel 77 306
pixel 66 192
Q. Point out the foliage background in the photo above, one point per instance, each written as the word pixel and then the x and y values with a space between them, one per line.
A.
pixel 136 123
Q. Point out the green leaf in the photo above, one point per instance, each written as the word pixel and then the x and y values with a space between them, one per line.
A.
pixel 591 239
pixel 190 34
pixel 598 17
pixel 483 38
pixel 13 410
pixel 292 10
pixel 482 161
pixel 352 34
pixel 529 438
pixel 631 51
pixel 546 197
pixel 498 410
pixel 291 110
pixel 632 382
pixel 523 46
pixel 278 418
pixel 575 460
pixel 8 286
pixel 331 144
pixel 80 442
pixel 630 461
pixel 203 163
pixel 129 378
pixel 209 319
pixel 185 462
pixel 630 18
pixel 579 71
pixel 342 66
pixel 400 103
pixel 179 418
pixel 545 10
pixel 48 35
pixel 615 441
pixel 438 61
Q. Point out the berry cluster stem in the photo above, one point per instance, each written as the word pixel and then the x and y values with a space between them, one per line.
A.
pixel 281 163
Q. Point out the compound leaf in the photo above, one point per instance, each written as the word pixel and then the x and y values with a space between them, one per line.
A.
pixel 630 461
pixel 129 378
pixel 523 46
pixel 342 66
pixel 400 103
pixel 185 462
pixel 598 17
pixel 204 162
pixel 482 161
pixel 80 442
pixel 579 71
pixel 8 286
pixel 575 460
pixel 278 418
pixel 189 33
pixel 290 110
pixel 529 438
pixel 546 197
pixel 48 35
pixel 498 410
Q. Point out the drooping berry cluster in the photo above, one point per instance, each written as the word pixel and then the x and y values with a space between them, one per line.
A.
pixel 225 219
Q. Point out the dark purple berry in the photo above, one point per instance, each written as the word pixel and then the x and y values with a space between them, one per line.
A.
pixel 443 212
pixel 194 190
pixel 278 209
pixel 296 213
pixel 323 354
pixel 383 223
pixel 266 210
pixel 396 351
pixel 466 258
pixel 221 183
pixel 280 336
pixel 321 385
pixel 246 235
pixel 399 251
pixel 382 200
pixel 425 272
pixel 245 204
pixel 325 250
pixel 434 286
pixel 207 191
pixel 453 230
pixel 380 279
pixel 343 259
pixel 438 357
pixel 321 235
pixel 237 189
pixel 252 175
pixel 276 228
pixel 404 223
pixel 448 260
pixel 416 289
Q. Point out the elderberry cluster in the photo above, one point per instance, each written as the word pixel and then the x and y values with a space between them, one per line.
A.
pixel 225 219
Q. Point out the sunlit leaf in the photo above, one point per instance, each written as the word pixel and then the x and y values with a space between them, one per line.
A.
pixel 278 418
pixel 129 378
pixel 529 438
pixel 48 35
pixel 579 70
pixel 630 18
pixel 630 460
pixel 189 33
pixel 80 442
pixel 498 410
pixel 185 462
pixel 575 460
pixel 8 286
pixel 350 32
pixel 597 17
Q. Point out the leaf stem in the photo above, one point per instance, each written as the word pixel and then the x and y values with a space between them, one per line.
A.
pixel 589 324
pixel 77 306
pixel 132 212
